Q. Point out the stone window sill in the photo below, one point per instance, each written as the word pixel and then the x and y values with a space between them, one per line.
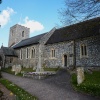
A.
pixel 84 57
pixel 53 58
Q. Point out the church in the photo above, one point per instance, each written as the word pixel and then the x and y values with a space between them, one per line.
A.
pixel 71 46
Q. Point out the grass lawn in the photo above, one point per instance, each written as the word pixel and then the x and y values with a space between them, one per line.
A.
pixel 19 92
pixel 51 69
pixel 8 70
pixel 28 69
pixel 91 84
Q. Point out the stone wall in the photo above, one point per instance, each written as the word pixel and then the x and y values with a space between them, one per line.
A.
pixel 42 46
pixel 61 49
pixel 93 52
pixel 28 62
pixel 2 58
pixel 10 61
pixel 15 34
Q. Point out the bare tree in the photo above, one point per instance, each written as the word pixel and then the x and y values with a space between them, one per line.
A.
pixel 0 1
pixel 79 10
pixel 0 11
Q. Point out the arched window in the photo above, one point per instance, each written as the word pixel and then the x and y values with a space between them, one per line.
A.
pixel 21 55
pixel 83 50
pixel 53 54
pixel 33 53
pixel 22 33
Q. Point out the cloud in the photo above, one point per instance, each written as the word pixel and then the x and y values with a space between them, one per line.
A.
pixel 5 16
pixel 33 25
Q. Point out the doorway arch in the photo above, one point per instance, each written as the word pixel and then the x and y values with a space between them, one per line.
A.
pixel 65 60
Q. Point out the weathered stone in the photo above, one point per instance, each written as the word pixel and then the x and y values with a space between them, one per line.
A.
pixel 6 65
pixel 15 34
pixel 64 49
pixel 28 62
pixel 93 52
pixel 61 49
pixel 18 69
pixel 80 75
pixel 13 68
pixel 34 68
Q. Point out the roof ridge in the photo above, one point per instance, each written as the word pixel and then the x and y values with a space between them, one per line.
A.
pixel 80 30
pixel 34 36
pixel 78 23
pixel 29 41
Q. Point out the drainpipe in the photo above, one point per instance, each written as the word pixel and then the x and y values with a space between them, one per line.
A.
pixel 74 54
pixel 4 61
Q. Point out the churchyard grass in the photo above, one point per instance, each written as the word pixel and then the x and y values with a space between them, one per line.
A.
pixel 20 93
pixel 90 85
pixel 26 70
pixel 8 70
pixel 1 93
pixel 51 69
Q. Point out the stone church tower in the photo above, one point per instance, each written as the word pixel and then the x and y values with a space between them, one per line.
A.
pixel 17 33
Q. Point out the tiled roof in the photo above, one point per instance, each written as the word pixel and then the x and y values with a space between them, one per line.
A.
pixel 9 51
pixel 29 41
pixel 77 31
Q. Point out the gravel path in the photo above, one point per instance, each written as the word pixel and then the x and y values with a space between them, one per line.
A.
pixel 52 88
pixel 6 93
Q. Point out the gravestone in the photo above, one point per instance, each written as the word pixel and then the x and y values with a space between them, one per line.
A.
pixel 18 69
pixel 80 75
pixel 13 68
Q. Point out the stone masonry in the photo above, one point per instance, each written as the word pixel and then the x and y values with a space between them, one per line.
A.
pixel 28 62
pixel 93 52
pixel 15 34
pixel 61 49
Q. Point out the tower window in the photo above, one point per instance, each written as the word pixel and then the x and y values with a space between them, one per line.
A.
pixel 22 33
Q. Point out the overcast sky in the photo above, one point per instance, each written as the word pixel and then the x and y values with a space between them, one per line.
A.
pixel 39 15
